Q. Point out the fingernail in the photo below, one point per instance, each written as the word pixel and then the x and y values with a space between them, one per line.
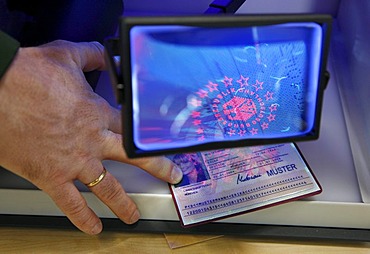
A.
pixel 176 175
pixel 97 229
pixel 135 217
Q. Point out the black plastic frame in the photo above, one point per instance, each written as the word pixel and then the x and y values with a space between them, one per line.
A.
pixel 253 231
pixel 123 76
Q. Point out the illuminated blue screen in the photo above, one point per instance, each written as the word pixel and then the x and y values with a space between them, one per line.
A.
pixel 194 85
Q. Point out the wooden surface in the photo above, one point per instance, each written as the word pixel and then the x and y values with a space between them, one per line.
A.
pixel 34 240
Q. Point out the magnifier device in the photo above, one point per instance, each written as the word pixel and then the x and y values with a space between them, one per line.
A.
pixel 208 82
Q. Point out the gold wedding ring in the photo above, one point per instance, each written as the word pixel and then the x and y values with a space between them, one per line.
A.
pixel 97 180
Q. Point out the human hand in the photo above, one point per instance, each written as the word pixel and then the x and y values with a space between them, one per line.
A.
pixel 54 129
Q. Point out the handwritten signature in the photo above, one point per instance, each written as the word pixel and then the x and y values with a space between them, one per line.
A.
pixel 246 178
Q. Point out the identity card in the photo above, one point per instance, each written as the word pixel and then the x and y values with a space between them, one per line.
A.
pixel 227 182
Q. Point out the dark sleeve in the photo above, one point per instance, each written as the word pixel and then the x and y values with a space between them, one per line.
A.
pixel 8 50
pixel 29 7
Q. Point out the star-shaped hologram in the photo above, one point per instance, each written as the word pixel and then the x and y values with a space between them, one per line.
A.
pixel 242 132
pixel 231 132
pixel 254 131
pixel 212 86
pixel 201 138
pixel 264 125
pixel 273 107
pixel 195 114
pixel 243 81
pixel 202 93
pixel 271 117
pixel 200 131
pixel 197 122
pixel 195 102
pixel 268 95
pixel 258 85
pixel 227 81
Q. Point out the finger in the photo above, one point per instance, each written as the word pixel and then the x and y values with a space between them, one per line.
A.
pixel 88 56
pixel 110 116
pixel 74 206
pixel 159 167
pixel 111 193
pixel 115 122
pixel 74 58
pixel 91 56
